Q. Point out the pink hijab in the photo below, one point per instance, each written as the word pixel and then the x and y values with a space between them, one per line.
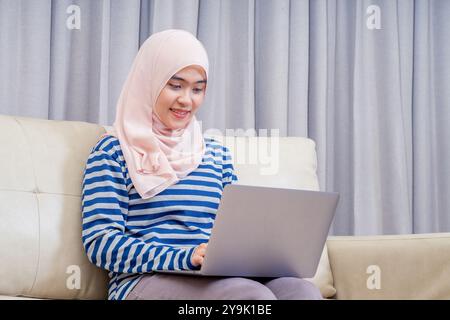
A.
pixel 157 156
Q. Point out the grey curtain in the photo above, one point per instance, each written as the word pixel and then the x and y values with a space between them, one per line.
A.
pixel 367 80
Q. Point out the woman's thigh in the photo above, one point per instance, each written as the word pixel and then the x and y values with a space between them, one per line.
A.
pixel 160 286
pixel 290 288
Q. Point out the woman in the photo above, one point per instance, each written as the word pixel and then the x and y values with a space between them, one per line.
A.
pixel 151 188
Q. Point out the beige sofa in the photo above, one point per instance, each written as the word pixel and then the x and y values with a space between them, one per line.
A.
pixel 41 254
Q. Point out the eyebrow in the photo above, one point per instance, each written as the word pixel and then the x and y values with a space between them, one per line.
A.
pixel 181 79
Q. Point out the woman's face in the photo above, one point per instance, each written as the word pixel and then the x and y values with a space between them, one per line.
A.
pixel 181 97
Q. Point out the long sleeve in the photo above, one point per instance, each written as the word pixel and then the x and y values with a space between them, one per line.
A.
pixel 105 203
pixel 228 176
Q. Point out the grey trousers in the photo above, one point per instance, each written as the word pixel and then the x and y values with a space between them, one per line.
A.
pixel 160 286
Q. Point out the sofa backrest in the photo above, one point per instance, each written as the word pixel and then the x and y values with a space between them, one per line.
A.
pixel 285 162
pixel 40 206
pixel 40 202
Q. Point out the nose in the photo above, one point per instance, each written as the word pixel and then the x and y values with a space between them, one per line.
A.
pixel 185 98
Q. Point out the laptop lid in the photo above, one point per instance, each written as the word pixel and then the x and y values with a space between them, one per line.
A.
pixel 269 232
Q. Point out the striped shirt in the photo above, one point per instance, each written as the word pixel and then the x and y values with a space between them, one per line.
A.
pixel 130 236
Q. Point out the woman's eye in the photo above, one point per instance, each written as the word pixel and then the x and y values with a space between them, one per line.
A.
pixel 198 90
pixel 175 86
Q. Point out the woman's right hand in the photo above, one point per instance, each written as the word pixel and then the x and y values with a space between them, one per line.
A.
pixel 199 255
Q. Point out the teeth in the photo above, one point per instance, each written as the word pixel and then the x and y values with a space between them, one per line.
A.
pixel 179 112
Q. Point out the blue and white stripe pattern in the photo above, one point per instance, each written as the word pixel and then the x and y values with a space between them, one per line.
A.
pixel 130 236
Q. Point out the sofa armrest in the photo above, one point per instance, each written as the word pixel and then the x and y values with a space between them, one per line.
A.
pixel 391 267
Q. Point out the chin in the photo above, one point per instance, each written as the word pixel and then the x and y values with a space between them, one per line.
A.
pixel 177 126
pixel 180 124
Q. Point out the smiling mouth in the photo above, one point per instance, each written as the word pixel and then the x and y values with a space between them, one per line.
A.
pixel 179 114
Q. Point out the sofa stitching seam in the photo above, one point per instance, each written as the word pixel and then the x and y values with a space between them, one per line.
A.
pixel 38 211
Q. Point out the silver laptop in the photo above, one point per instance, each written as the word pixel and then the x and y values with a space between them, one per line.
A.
pixel 268 232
